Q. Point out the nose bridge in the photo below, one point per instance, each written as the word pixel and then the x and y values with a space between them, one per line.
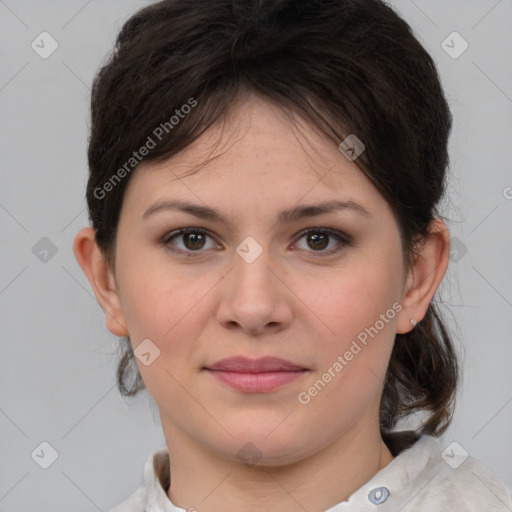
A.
pixel 251 297
pixel 252 272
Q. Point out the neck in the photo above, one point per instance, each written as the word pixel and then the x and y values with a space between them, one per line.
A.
pixel 205 481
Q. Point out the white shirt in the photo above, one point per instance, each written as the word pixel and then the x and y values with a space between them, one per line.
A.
pixel 418 479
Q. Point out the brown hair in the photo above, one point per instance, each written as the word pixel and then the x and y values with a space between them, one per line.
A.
pixel 345 66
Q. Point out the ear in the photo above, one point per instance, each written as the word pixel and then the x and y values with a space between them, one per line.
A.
pixel 425 276
pixel 90 258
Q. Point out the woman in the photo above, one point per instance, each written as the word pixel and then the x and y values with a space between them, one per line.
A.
pixel 264 236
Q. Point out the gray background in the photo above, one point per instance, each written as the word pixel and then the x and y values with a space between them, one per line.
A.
pixel 58 358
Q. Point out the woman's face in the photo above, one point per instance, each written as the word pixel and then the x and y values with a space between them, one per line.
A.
pixel 254 285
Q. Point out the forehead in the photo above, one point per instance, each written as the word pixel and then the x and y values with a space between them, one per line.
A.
pixel 258 149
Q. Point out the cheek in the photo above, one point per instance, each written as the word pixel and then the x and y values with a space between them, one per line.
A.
pixel 166 308
pixel 352 299
pixel 358 306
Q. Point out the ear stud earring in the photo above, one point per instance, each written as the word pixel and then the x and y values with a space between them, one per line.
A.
pixel 413 322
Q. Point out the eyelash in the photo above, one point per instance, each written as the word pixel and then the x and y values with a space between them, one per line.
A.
pixel 343 240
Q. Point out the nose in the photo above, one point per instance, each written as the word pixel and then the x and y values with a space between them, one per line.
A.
pixel 254 297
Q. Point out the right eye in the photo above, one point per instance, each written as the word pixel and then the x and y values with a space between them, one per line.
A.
pixel 190 240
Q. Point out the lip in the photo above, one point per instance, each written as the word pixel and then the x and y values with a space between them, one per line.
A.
pixel 261 365
pixel 255 375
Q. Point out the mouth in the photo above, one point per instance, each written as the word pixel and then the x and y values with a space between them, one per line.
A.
pixel 256 375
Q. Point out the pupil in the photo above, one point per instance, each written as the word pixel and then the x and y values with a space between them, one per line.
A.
pixel 194 240
pixel 320 241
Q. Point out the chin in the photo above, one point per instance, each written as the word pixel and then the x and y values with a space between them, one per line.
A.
pixel 272 447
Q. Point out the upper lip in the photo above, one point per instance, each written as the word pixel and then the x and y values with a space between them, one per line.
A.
pixel 261 365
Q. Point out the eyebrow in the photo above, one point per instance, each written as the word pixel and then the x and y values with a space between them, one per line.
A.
pixel 284 216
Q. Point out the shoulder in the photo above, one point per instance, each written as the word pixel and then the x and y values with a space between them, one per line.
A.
pixel 473 485
pixel 454 480
pixel 135 503
pixel 156 482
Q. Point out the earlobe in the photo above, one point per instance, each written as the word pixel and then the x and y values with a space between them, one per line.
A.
pixel 94 266
pixel 425 276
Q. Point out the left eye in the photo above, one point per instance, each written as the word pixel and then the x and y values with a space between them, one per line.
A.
pixel 320 239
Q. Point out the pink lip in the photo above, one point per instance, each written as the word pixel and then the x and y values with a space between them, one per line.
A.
pixel 256 375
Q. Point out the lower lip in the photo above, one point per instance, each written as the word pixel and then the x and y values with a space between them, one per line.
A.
pixel 257 382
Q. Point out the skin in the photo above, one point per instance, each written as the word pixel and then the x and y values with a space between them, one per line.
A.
pixel 291 302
